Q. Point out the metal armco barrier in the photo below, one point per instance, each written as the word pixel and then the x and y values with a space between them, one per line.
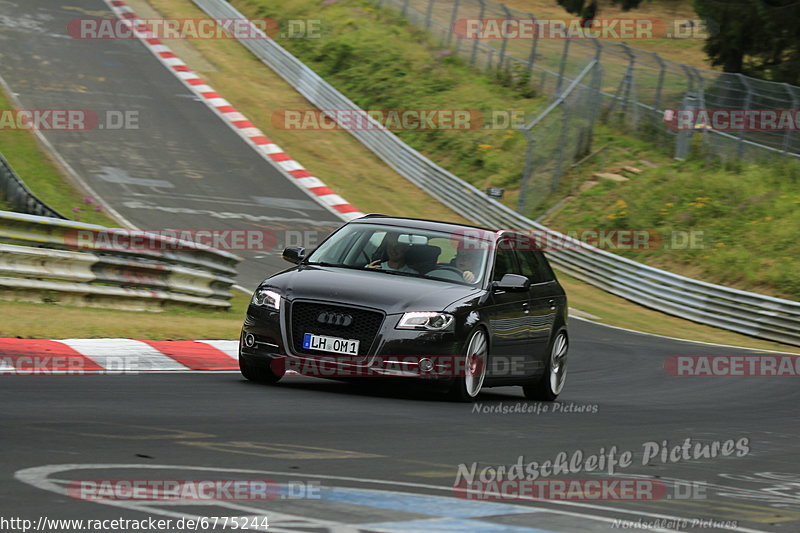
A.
pixel 740 311
pixel 19 196
pixel 51 259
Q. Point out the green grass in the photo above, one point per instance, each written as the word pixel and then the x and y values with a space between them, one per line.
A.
pixel 43 177
pixel 746 216
pixel 24 320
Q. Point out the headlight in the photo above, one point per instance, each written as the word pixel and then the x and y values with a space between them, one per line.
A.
pixel 267 298
pixel 426 320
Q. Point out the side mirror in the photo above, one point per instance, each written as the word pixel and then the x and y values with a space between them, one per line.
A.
pixel 512 283
pixel 294 254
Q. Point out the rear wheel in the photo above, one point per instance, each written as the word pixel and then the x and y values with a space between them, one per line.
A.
pixel 549 386
pixel 257 373
pixel 465 388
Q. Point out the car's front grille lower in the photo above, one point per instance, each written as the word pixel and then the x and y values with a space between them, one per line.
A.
pixel 362 325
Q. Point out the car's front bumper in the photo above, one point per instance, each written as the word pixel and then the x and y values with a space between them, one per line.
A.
pixel 395 353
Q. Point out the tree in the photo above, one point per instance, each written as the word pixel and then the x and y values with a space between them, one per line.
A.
pixel 756 37
pixel 760 38
pixel 587 9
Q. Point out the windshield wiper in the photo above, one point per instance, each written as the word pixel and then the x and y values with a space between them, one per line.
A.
pixel 337 265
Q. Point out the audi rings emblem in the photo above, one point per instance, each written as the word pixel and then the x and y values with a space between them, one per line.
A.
pixel 334 319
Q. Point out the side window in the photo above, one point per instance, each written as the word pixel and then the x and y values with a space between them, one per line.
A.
pixel 505 261
pixel 534 266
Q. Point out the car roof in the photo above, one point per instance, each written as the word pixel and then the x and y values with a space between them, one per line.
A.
pixel 436 225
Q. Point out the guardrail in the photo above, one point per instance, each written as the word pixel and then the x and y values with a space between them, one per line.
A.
pixel 49 259
pixel 744 312
pixel 19 196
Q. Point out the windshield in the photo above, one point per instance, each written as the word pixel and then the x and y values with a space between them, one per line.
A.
pixel 448 256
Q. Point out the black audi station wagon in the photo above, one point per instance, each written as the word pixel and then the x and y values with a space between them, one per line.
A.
pixel 461 306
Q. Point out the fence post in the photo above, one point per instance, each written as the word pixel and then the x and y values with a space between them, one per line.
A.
pixel 683 137
pixel 526 172
pixel 595 102
pixel 453 19
pixel 475 40
pixel 405 8
pixel 534 43
pixel 562 66
pixel 787 137
pixel 657 101
pixel 502 59
pixel 626 87
pixel 562 141
pixel 428 15
pixel 598 49
pixel 747 103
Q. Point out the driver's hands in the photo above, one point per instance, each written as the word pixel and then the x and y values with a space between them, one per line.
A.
pixel 469 277
pixel 375 264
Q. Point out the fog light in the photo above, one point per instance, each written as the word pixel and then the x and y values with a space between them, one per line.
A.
pixel 425 364
pixel 249 340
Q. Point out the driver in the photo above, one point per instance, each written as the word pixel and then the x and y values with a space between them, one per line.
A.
pixel 468 261
pixel 396 253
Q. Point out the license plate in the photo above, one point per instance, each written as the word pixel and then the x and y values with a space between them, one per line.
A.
pixel 330 344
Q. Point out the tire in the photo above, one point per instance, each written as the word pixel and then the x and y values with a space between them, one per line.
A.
pixel 549 386
pixel 259 374
pixel 465 388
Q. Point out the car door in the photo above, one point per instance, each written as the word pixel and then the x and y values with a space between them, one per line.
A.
pixel 508 316
pixel 544 299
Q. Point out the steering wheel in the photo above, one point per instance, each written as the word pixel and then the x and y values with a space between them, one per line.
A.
pixel 447 267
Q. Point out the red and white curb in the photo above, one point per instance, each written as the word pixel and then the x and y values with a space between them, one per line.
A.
pixel 108 356
pixel 270 151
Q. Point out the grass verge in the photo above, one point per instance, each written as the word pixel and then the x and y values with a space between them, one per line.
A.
pixel 744 217
pixel 24 320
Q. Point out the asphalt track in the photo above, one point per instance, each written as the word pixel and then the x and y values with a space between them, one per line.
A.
pixel 385 458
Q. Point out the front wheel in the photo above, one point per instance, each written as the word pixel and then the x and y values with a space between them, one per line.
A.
pixel 549 386
pixel 465 388
pixel 259 374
